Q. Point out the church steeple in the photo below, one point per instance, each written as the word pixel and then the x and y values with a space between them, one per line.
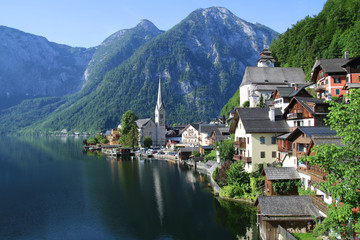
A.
pixel 160 118
pixel 159 103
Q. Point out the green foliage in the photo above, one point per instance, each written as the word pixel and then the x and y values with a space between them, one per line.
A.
pixel 131 138
pixel 196 153
pixel 282 186
pixel 92 141
pixel 233 102
pixel 221 176
pixel 237 175
pixel 261 102
pixel 147 142
pixel 215 173
pixel 226 149
pixel 246 104
pixel 341 163
pixel 328 35
pixel 128 121
pixel 211 156
pixel 101 139
pixel 305 192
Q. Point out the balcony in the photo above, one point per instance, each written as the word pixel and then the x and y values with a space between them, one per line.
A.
pixel 239 144
pixel 246 159
pixel 242 158
pixel 294 116
pixel 319 203
pixel 320 89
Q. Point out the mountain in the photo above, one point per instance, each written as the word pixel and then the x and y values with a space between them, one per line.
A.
pixel 31 66
pixel 333 31
pixel 200 61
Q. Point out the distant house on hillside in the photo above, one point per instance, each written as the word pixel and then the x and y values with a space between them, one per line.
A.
pixel 265 78
pixel 331 75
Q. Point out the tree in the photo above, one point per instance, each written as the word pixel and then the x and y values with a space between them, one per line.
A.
pixel 246 104
pixel 147 141
pixel 226 149
pixel 128 121
pixel 261 102
pixel 341 164
pixel 131 138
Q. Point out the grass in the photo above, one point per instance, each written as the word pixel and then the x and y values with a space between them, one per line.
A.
pixel 304 236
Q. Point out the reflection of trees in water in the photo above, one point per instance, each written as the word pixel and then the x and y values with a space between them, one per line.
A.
pixel 238 218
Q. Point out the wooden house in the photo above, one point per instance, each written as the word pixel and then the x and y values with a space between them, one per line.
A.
pixel 273 174
pixel 293 213
pixel 283 95
pixel 305 111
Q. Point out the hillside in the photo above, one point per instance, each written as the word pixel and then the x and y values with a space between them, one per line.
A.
pixel 200 60
pixel 32 67
pixel 333 31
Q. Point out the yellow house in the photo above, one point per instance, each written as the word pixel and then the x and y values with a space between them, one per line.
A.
pixel 255 132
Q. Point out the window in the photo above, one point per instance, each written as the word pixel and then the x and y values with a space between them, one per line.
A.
pixel 262 154
pixel 347 79
pixel 262 140
pixel 273 154
pixel 248 140
pixel 337 91
pixel 327 81
pixel 337 80
pixel 273 140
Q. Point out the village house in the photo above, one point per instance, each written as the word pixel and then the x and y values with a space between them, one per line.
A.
pixel 283 95
pixel 114 136
pixel 293 213
pixel 209 133
pixel 256 130
pixel 306 111
pixel 303 139
pixel 265 78
pixel 273 174
pixel 331 75
pixel 190 134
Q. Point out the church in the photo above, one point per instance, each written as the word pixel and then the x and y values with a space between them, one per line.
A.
pixel 155 130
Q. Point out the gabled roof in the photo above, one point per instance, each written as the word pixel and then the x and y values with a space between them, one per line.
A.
pixel 194 125
pixel 312 132
pixel 332 65
pixel 336 140
pixel 309 104
pixel 290 206
pixel 142 122
pixel 274 75
pixel 256 120
pixel 281 173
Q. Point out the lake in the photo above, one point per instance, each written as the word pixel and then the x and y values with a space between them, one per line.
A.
pixel 50 189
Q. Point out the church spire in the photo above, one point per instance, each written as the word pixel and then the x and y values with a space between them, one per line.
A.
pixel 159 103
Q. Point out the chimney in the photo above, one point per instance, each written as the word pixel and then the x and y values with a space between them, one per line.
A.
pixel 346 55
pixel 272 114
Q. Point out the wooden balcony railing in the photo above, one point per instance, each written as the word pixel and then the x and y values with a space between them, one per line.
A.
pixel 319 203
pixel 285 149
pixel 242 158
pixel 237 158
pixel 239 144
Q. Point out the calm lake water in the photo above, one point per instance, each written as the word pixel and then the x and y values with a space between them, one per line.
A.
pixel 49 189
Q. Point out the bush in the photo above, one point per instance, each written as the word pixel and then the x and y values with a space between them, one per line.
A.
pixel 211 156
pixel 236 174
pixel 196 153
pixel 221 178
pixel 246 104
pixel 215 173
pixel 147 142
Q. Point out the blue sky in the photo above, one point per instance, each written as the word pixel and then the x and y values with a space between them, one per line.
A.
pixel 86 23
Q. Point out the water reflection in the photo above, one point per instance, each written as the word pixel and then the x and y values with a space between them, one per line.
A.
pixel 51 190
